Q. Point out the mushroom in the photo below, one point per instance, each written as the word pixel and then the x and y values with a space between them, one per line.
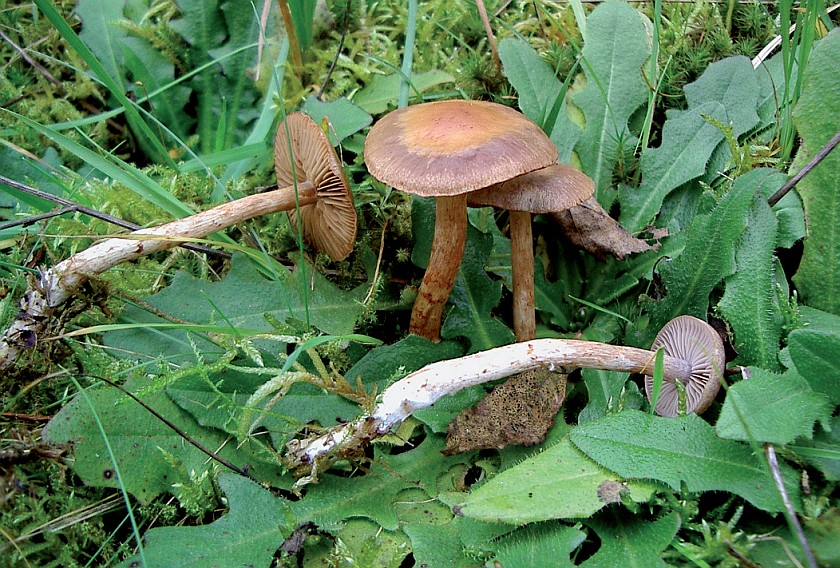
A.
pixel 548 190
pixel 316 184
pixel 693 355
pixel 698 345
pixel 445 150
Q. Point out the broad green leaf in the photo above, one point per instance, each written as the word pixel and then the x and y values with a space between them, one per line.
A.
pixel 823 451
pixel 631 542
pixel 345 118
pixel 557 483
pixel 534 545
pixel 249 534
pixel 384 90
pixel 137 438
pixel 549 298
pixel 749 302
pixel 242 300
pixel 475 296
pixel 732 83
pixel 816 117
pixel 303 12
pixel 772 408
pixel 688 141
pixel 101 34
pixel 608 392
pixel 681 451
pixel 709 256
pixel 617 45
pixel 359 542
pixel 816 354
pixel 541 93
pixel 374 494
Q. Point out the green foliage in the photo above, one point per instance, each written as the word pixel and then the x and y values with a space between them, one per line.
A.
pixel 631 541
pixel 637 445
pixel 817 116
pixel 249 534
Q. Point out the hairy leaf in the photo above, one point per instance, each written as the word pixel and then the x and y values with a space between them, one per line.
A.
pixel 532 546
pixel 817 117
pixel 101 34
pixel 823 451
pixel 709 256
pixel 241 300
pixel 630 541
pixel 749 303
pixel 385 89
pixel 557 483
pixel 616 48
pixel 249 534
pixel 771 408
pixel 731 82
pixel 136 438
pixel 682 450
pixel 816 354
pixel 541 93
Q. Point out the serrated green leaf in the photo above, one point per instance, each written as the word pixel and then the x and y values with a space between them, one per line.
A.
pixel 816 354
pixel 631 542
pixel 770 407
pixel 816 117
pixel 617 45
pixel 541 93
pixel 135 435
pixel 688 141
pixel 532 546
pixel 373 495
pixel 549 298
pixel 731 82
pixel 475 296
pixel 749 302
pixel 385 89
pixel 242 299
pixel 345 118
pixel 608 392
pixel 249 534
pixel 681 451
pixel 558 483
pixel 823 451
pixel 708 257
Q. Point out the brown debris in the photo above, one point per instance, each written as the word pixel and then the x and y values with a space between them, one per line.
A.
pixel 591 228
pixel 520 411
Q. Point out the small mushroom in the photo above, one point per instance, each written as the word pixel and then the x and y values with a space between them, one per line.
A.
pixel 697 344
pixel 445 150
pixel 693 355
pixel 323 195
pixel 547 190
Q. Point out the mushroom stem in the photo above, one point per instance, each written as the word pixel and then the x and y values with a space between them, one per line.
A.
pixel 522 266
pixel 426 386
pixel 448 243
pixel 57 284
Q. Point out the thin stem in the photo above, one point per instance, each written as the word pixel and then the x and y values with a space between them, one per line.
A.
pixel 813 163
pixel 522 266
pixel 793 520
pixel 447 251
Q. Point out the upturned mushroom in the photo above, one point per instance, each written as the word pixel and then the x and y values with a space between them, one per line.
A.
pixel 316 183
pixel 445 150
pixel 547 190
pixel 693 355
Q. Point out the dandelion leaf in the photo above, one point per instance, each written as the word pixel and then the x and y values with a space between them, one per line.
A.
pixel 630 541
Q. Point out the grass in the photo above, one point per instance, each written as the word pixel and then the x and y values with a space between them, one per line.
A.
pixel 160 165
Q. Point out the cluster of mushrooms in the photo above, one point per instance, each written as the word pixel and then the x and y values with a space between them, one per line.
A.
pixel 462 153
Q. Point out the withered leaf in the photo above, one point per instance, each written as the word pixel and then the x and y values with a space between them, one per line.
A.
pixel 519 411
pixel 591 228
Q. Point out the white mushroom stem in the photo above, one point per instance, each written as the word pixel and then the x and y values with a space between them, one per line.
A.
pixel 426 386
pixel 444 262
pixel 522 267
pixel 59 283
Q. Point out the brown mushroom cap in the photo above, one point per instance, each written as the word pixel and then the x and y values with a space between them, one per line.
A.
pixel 452 147
pixel 697 343
pixel 555 188
pixel 329 223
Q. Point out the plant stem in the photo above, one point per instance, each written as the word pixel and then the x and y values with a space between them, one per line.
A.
pixel 818 157
pixel 522 267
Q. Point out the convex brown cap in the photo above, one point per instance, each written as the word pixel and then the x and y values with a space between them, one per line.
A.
pixel 555 188
pixel 451 147
pixel 329 223
pixel 699 345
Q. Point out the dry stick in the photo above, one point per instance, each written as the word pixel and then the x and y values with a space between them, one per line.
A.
pixel 426 386
pixel 773 462
pixel 491 39
pixel 818 157
pixel 72 206
pixel 58 284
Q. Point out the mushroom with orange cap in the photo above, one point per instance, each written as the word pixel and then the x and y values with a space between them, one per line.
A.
pixel 547 190
pixel 446 149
